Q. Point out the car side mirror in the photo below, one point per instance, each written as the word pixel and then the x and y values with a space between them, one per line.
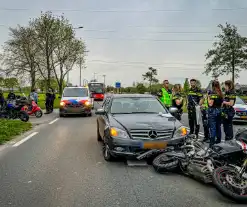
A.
pixel 100 112
pixel 173 110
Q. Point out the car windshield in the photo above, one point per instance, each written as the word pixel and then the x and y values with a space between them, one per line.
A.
pixel 97 90
pixel 239 101
pixel 75 92
pixel 136 105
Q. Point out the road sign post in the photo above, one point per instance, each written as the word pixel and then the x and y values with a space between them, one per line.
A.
pixel 118 86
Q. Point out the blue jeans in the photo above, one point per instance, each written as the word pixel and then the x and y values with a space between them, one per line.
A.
pixel 214 121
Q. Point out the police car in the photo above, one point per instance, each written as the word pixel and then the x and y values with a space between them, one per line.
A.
pixel 76 100
pixel 240 108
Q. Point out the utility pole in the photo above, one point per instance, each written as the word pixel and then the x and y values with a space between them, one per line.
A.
pixel 104 78
pixel 94 76
pixel 80 64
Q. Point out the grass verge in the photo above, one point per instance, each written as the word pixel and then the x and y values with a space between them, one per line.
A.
pixel 11 128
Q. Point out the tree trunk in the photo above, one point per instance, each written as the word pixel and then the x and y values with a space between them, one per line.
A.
pixel 33 79
pixel 60 85
pixel 60 88
pixel 48 64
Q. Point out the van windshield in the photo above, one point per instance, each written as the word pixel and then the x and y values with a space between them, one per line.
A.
pixel 75 92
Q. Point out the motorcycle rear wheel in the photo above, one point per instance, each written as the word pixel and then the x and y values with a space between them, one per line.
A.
pixel 163 163
pixel 23 116
pixel 221 179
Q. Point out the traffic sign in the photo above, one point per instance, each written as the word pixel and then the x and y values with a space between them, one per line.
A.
pixel 118 85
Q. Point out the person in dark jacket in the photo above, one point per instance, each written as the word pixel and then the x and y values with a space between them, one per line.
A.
pixel 53 97
pixel 177 100
pixel 215 100
pixel 228 110
pixel 48 101
pixel 204 110
pixel 194 98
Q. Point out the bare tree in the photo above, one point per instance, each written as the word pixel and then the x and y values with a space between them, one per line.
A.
pixel 19 56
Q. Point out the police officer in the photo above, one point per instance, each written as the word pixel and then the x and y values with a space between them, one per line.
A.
pixel 177 100
pixel 48 102
pixel 215 100
pixel 194 98
pixel 165 94
pixel 228 110
pixel 204 110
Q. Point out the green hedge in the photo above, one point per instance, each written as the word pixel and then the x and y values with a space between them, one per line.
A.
pixel 11 128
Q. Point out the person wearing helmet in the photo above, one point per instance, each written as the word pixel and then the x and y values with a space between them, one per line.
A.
pixel 11 95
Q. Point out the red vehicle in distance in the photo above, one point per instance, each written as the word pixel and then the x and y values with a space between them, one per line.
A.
pixel 97 90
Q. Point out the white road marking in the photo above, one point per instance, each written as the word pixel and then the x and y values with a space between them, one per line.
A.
pixel 25 139
pixel 54 121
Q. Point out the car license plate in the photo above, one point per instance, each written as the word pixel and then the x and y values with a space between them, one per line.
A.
pixel 243 117
pixel 154 145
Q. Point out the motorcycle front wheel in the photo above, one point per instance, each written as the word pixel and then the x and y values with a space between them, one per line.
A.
pixel 163 163
pixel 23 116
pixel 230 184
pixel 38 114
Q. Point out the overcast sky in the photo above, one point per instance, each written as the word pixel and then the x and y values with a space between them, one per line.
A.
pixel 124 38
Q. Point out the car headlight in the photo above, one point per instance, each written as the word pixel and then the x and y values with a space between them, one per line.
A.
pixel 180 132
pixel 62 103
pixel 87 103
pixel 118 133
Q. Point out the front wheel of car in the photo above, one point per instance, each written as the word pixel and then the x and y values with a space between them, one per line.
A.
pixel 106 153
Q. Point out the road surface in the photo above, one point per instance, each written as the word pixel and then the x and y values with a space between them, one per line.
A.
pixel 61 165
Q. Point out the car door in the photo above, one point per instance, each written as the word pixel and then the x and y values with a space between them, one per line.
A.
pixel 103 118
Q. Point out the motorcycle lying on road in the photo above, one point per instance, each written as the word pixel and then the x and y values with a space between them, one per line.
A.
pixel 222 164
pixel 12 110
pixel 231 180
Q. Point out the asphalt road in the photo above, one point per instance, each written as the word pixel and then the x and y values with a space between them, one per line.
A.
pixel 62 166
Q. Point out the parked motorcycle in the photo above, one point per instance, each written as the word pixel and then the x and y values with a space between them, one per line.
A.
pixel 34 109
pixel 12 110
